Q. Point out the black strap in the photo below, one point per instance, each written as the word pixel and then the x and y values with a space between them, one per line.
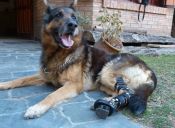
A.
pixel 119 84
pixel 144 9
pixel 144 3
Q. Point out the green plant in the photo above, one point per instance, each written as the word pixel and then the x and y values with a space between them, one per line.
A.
pixel 111 24
pixel 83 20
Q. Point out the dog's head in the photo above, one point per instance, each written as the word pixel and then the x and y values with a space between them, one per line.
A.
pixel 61 23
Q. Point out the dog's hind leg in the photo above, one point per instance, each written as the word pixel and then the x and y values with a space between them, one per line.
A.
pixel 138 77
pixel 25 81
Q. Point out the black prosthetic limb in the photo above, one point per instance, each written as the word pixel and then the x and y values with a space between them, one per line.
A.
pixel 120 85
pixel 105 108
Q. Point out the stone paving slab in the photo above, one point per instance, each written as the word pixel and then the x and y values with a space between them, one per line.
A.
pixel 21 58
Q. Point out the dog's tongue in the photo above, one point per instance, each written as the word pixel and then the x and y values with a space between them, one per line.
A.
pixel 66 40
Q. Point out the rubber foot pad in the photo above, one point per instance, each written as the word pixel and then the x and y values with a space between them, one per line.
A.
pixel 102 111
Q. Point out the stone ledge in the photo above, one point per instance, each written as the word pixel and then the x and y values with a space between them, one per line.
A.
pixel 132 37
pixel 143 38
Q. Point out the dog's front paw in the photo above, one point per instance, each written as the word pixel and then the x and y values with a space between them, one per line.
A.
pixel 35 111
pixel 4 86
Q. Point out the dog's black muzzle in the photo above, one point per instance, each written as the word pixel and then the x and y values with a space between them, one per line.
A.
pixel 63 34
pixel 71 26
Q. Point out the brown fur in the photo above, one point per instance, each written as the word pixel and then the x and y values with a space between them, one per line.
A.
pixel 82 68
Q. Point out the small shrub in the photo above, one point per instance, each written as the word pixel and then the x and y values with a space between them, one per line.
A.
pixel 83 20
pixel 111 24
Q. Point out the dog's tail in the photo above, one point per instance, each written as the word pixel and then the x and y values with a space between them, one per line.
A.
pixel 138 101
pixel 137 105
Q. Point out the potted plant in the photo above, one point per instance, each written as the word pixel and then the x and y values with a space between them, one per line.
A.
pixel 111 28
pixel 83 21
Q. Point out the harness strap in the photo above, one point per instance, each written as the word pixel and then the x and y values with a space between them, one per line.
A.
pixel 120 85
pixel 144 3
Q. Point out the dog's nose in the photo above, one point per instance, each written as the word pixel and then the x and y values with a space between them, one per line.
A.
pixel 72 25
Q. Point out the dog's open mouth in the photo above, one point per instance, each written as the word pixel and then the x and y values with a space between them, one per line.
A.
pixel 66 40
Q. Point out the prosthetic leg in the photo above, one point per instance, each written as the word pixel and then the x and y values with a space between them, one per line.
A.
pixel 104 108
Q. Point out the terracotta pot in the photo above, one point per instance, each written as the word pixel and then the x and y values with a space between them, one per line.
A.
pixel 114 46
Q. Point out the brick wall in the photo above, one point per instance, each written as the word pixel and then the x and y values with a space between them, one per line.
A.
pixel 38 7
pixel 158 21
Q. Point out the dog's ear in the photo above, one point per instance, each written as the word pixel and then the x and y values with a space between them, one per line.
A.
pixel 48 9
pixel 73 5
pixel 45 2
pixel 47 15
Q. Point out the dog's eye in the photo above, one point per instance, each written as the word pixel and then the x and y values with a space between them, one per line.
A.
pixel 60 14
pixel 74 17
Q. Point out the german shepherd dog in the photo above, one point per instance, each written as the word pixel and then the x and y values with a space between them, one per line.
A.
pixel 68 63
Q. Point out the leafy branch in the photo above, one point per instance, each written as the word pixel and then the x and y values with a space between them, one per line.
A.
pixel 83 20
pixel 111 24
